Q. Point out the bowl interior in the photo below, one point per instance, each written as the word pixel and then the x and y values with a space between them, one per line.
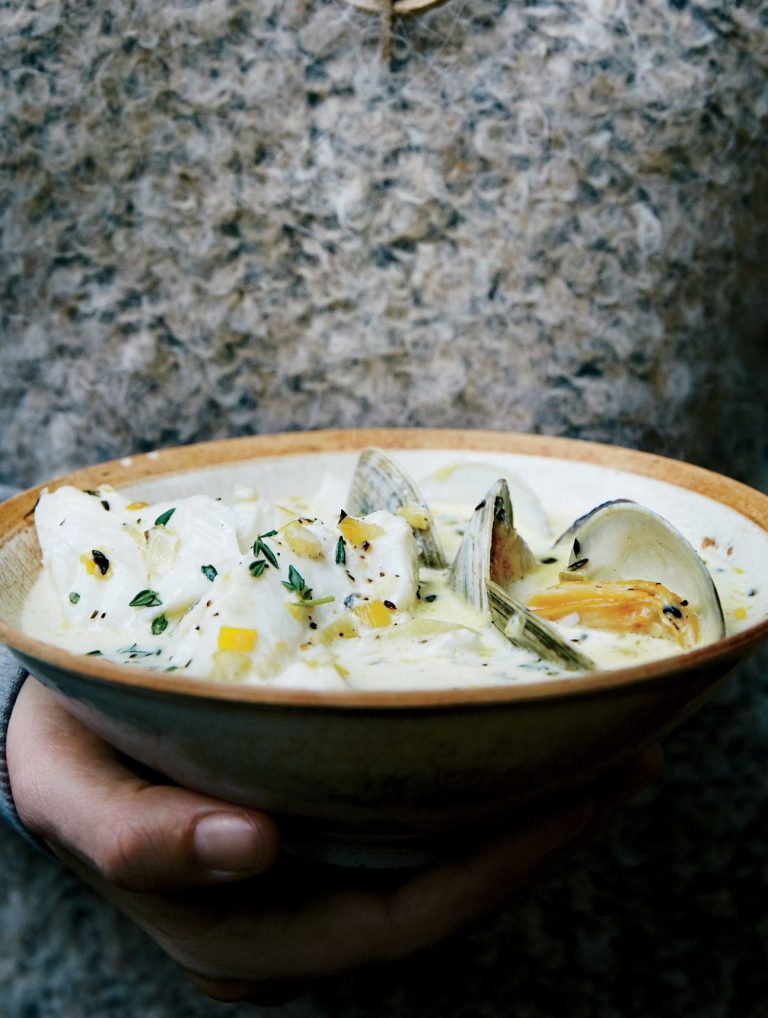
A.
pixel 725 521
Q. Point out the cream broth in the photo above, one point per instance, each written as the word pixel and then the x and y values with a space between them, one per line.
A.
pixel 292 594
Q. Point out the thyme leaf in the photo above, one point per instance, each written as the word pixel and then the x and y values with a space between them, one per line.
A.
pixel 260 548
pixel 257 568
pixel 210 572
pixel 295 580
pixel 159 625
pixel 163 518
pixel 341 553
pixel 145 599
pixel 74 597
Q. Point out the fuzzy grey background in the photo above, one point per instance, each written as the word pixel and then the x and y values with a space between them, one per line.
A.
pixel 225 217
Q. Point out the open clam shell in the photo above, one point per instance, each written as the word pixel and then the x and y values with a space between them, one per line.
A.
pixel 492 557
pixel 451 482
pixel 622 540
pixel 491 549
pixel 379 483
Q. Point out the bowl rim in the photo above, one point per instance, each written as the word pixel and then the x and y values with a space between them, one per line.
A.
pixel 16 515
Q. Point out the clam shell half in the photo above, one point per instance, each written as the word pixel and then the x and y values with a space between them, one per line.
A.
pixel 525 629
pixel 622 540
pixel 379 483
pixel 492 557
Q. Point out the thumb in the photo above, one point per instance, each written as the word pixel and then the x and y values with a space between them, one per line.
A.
pixel 70 788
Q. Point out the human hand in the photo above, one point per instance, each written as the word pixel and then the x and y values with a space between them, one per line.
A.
pixel 203 878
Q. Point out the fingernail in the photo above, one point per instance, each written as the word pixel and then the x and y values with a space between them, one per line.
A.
pixel 228 842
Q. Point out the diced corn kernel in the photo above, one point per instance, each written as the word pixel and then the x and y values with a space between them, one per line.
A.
pixel 357 532
pixel 374 614
pixel 92 568
pixel 342 628
pixel 90 565
pixel 415 515
pixel 234 638
pixel 133 506
pixel 740 613
pixel 302 541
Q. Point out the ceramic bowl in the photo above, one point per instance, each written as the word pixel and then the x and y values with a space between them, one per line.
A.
pixel 375 778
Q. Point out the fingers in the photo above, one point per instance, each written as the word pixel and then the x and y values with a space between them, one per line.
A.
pixel 339 926
pixel 299 924
pixel 439 901
pixel 71 788
pixel 265 938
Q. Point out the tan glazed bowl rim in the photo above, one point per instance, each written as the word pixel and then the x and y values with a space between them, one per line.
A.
pixel 16 515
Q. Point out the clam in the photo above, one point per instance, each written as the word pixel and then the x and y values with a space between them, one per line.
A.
pixel 379 483
pixel 491 559
pixel 631 571
pixel 450 483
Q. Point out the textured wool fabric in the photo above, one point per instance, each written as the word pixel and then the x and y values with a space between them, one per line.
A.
pixel 11 680
pixel 222 217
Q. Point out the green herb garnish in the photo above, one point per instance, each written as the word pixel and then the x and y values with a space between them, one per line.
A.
pixel 210 572
pixel 93 653
pixel 146 599
pixel 341 553
pixel 430 597
pixel 74 597
pixel 159 625
pixel 295 580
pixel 312 601
pixel 257 568
pixel 260 548
pixel 134 651
pixel 163 518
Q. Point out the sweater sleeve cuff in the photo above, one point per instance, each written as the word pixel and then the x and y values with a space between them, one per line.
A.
pixel 12 678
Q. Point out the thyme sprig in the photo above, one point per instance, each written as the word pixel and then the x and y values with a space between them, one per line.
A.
pixel 261 548
pixel 135 651
pixel 312 601
pixel 296 583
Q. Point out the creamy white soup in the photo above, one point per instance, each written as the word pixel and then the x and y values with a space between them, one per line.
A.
pixel 298 593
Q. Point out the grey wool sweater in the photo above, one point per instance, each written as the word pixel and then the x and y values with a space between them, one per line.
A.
pixel 220 217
